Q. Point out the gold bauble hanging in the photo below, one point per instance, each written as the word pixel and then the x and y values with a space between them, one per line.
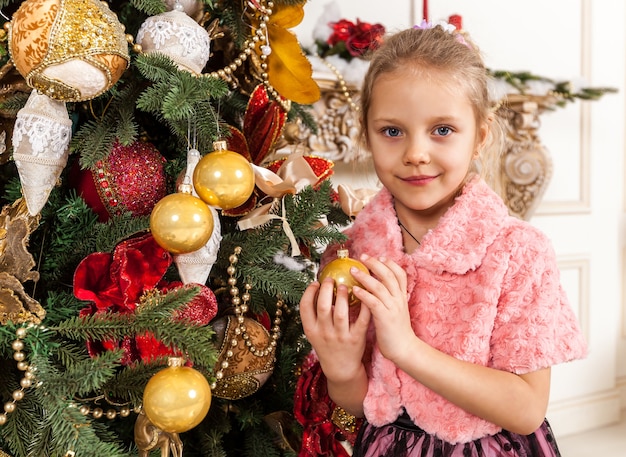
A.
pixel 339 270
pixel 223 178
pixel 177 398
pixel 181 223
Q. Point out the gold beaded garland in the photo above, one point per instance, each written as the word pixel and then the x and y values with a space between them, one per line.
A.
pixel 22 365
pixel 343 86
pixel 238 385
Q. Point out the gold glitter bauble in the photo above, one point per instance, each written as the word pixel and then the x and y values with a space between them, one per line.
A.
pixel 339 270
pixel 177 398
pixel 243 371
pixel 69 50
pixel 223 178
pixel 181 223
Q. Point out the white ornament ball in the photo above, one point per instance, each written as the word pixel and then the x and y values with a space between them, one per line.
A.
pixel 179 37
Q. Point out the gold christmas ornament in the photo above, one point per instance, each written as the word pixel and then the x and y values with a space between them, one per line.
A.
pixel 41 137
pixel 177 398
pixel 339 270
pixel 181 223
pixel 70 50
pixel 223 178
pixel 241 372
pixel 179 37
pixel 247 351
pixel 195 267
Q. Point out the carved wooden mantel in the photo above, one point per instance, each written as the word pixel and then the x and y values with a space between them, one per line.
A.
pixel 526 167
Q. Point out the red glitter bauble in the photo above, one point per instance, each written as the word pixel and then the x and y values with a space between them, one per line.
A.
pixel 131 179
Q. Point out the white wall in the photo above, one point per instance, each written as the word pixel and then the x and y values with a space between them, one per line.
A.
pixel 583 210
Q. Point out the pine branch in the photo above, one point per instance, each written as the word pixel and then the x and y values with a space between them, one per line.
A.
pixel 149 7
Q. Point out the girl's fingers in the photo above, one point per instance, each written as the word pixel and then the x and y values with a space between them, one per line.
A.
pixel 385 275
pixel 308 312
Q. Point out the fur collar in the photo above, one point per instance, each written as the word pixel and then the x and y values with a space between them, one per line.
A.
pixel 458 243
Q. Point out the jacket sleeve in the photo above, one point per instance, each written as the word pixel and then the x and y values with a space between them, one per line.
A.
pixel 535 326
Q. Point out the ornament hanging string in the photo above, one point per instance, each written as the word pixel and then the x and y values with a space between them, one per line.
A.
pixel 261 216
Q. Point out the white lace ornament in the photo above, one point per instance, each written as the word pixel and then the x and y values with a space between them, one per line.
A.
pixel 178 36
pixel 41 137
pixel 195 267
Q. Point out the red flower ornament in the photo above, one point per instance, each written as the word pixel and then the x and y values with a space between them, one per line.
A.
pixel 115 282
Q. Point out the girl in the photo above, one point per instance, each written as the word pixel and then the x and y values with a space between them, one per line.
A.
pixel 449 353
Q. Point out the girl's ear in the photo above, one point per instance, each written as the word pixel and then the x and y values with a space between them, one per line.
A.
pixel 484 132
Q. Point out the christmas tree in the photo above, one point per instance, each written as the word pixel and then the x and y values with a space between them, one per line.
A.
pixel 154 242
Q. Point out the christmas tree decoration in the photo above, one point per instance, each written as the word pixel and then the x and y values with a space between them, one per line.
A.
pixel 223 179
pixel 246 358
pixel 23 366
pixel 16 266
pixel 177 36
pixel 122 283
pixel 177 398
pixel 41 137
pixel 181 223
pixel 339 270
pixel 193 8
pixel 195 267
pixel 149 437
pixel 262 128
pixel 288 70
pixel 247 351
pixel 70 50
pixel 104 302
pixel 130 179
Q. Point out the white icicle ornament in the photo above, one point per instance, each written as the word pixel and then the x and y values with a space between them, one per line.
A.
pixel 195 267
pixel 41 137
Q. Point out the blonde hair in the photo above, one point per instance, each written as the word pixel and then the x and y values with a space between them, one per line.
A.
pixel 441 51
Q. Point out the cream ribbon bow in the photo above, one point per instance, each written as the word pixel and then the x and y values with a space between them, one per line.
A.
pixel 293 175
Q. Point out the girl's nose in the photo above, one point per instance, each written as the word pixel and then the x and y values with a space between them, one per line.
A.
pixel 417 152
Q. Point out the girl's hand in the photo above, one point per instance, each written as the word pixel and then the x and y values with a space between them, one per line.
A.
pixel 339 344
pixel 384 293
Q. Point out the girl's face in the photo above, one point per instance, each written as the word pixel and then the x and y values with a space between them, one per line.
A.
pixel 422 133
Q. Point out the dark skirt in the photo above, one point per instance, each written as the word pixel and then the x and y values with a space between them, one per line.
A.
pixel 404 439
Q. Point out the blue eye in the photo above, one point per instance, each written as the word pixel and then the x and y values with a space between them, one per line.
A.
pixel 442 131
pixel 391 131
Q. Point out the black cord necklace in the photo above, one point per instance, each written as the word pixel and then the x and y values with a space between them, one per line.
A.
pixel 407 231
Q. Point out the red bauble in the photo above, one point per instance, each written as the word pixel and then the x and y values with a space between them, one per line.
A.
pixel 131 179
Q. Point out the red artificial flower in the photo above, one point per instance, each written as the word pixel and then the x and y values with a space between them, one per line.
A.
pixel 115 282
pixel 358 39
pixel 342 30
pixel 365 37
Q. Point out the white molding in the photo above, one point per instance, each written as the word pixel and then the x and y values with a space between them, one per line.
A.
pixel 621 387
pixel 584 413
pixel 583 204
pixel 580 263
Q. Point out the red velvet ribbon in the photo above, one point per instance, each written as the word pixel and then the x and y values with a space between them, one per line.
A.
pixel 115 282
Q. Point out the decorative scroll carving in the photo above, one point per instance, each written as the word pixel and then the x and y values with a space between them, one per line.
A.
pixel 337 120
pixel 526 167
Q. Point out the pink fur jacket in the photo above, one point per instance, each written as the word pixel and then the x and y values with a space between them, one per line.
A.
pixel 483 287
